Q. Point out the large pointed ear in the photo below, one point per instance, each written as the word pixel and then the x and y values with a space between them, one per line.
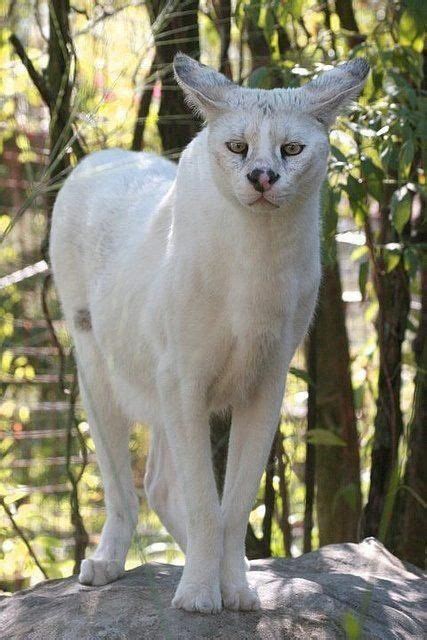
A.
pixel 328 94
pixel 206 91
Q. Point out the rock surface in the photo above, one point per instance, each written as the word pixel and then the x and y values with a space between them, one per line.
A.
pixel 314 596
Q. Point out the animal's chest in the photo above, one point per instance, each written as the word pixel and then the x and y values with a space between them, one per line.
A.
pixel 252 341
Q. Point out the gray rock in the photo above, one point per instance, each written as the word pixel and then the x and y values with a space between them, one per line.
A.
pixel 313 596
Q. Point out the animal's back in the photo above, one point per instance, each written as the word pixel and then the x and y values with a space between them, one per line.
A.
pixel 103 206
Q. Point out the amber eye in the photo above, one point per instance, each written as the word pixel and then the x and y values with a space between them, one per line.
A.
pixel 237 147
pixel 291 149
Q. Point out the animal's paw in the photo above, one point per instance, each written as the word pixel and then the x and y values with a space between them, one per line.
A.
pixel 239 597
pixel 97 572
pixel 192 596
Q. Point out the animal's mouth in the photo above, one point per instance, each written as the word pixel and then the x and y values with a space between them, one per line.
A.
pixel 262 200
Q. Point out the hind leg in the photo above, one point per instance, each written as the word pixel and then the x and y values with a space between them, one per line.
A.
pixel 110 432
pixel 162 489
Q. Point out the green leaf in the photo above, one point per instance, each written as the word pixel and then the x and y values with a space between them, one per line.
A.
pixel 411 31
pixel 406 157
pixel 357 195
pixel 300 373
pixel 359 252
pixel 391 259
pixel 324 437
pixel 352 626
pixel 269 23
pixel 338 155
pixel 373 177
pixel 401 208
pixel 355 189
pixel 389 156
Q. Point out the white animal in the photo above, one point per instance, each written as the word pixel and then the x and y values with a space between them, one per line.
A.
pixel 187 290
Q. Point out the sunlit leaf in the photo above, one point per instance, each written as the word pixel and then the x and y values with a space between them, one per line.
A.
pixel 406 157
pixel 411 31
pixel 391 259
pixel 401 208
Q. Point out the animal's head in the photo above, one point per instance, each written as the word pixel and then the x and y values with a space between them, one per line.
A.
pixel 268 146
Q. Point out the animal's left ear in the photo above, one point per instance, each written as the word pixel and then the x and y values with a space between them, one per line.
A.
pixel 326 96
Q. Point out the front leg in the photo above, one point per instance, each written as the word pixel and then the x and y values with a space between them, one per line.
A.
pixel 252 432
pixel 186 422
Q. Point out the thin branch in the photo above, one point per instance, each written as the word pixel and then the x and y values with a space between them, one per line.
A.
pixel 39 21
pixel 81 536
pixel 54 338
pixel 107 13
pixel 310 459
pixel 35 76
pixel 23 537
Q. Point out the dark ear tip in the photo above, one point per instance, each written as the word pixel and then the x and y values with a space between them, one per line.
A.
pixel 183 63
pixel 359 68
pixel 180 57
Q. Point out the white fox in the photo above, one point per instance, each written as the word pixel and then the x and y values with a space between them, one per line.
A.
pixel 187 290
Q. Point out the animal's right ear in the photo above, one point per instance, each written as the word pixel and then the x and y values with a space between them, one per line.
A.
pixel 207 91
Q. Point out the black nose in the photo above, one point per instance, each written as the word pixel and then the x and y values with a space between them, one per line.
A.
pixel 262 179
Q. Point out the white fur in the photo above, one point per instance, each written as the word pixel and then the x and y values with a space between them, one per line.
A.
pixel 186 294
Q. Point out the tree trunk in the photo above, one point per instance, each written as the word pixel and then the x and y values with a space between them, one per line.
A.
pixel 414 529
pixel 338 496
pixel 222 10
pixel 257 43
pixel 259 47
pixel 141 117
pixel 412 543
pixel 345 11
pixel 176 123
pixel 393 297
pixel 412 513
pixel 58 76
pixel 410 520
